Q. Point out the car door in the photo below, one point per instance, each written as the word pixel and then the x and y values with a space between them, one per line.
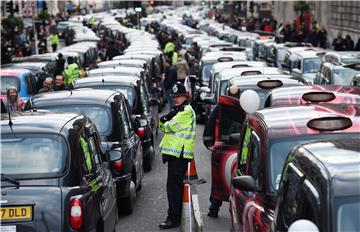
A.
pixel 229 119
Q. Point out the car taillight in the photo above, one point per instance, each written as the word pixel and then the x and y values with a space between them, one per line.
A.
pixel 141 132
pixel 76 214
pixel 117 165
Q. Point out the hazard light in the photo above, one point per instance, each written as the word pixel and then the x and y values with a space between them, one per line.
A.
pixel 330 123
pixel 318 96
pixel 269 84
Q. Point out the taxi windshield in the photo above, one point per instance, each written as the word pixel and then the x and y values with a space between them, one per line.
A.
pixel 347 213
pixel 99 115
pixel 279 150
pixel 33 155
pixel 312 65
pixel 205 71
pixel 9 81
pixel 127 91
pixel 344 76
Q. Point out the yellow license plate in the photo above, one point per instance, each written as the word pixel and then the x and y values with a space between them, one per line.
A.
pixel 20 213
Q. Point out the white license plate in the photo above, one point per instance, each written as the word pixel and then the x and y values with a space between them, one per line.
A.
pixel 7 228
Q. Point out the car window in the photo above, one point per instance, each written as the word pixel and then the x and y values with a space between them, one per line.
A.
pixel 31 155
pixel 311 65
pixel 245 146
pixel 253 162
pixel 9 81
pixel 86 150
pixel 99 115
pixel 229 121
pixel 205 71
pixel 343 76
pixel 347 212
pixel 95 151
pixel 124 119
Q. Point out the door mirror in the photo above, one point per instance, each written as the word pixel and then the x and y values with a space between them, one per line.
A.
pixel 204 89
pixel 193 78
pixel 234 138
pixel 245 183
pixel 208 98
pixel 303 225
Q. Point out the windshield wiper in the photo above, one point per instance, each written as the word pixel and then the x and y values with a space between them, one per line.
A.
pixel 9 179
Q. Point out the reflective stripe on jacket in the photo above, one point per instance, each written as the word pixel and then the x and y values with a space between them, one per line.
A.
pixel 179 134
pixel 71 73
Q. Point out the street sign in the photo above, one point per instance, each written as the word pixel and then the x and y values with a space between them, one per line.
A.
pixel 138 9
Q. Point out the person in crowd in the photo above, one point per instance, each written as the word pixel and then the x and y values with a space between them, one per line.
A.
pixel 339 43
pixel 234 91
pixel 54 40
pixel 177 150
pixel 111 51
pixel 170 78
pixel 169 48
pixel 322 37
pixel 71 72
pixel 47 85
pixel 193 66
pixel 60 64
pixel 13 101
pixel 59 83
pixel 349 43
pixel 357 47
pixel 182 69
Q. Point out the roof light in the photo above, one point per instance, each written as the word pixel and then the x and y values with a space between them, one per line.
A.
pixel 330 123
pixel 269 84
pixel 240 66
pixel 231 49
pixel 225 59
pixel 318 96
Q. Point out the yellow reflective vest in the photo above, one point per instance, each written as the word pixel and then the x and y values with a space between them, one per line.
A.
pixel 179 134
pixel 71 73
pixel 54 39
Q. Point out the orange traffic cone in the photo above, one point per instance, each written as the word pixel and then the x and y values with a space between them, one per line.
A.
pixel 187 215
pixel 191 176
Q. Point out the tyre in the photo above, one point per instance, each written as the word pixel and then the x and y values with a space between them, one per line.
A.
pixel 148 160
pixel 126 205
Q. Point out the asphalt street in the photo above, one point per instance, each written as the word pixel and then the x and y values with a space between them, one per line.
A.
pixel 151 203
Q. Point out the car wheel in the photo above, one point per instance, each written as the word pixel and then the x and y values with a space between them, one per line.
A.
pixel 126 205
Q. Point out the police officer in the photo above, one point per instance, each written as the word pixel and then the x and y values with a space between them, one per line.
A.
pixel 177 148
pixel 71 72
pixel 54 40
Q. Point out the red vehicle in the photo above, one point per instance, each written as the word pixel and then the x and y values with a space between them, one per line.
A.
pixel 267 138
pixel 300 95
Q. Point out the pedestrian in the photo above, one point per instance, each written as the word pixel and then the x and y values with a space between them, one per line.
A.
pixel 71 72
pixel 349 43
pixel 60 64
pixel 170 78
pixel 182 69
pixel 59 83
pixel 322 37
pixel 13 102
pixel 169 48
pixel 357 47
pixel 339 42
pixel 54 40
pixel 47 85
pixel 111 51
pixel 177 148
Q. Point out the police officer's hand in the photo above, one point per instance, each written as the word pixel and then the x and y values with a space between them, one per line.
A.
pixel 169 116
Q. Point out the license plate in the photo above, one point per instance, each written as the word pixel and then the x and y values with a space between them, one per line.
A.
pixel 8 228
pixel 20 213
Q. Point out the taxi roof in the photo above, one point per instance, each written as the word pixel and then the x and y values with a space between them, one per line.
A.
pixel 214 56
pixel 280 122
pixel 227 65
pixel 230 73
pixel 253 80
pixel 77 96
pixel 12 72
pixel 341 158
pixel 106 80
pixel 134 56
pixel 134 62
pixel 119 69
pixel 34 122
pixel 293 95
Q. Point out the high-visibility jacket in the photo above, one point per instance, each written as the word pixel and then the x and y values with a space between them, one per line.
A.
pixel 54 39
pixel 179 134
pixel 169 47
pixel 174 57
pixel 71 73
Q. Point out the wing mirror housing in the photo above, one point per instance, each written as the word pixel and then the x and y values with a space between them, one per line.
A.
pixel 234 138
pixel 245 183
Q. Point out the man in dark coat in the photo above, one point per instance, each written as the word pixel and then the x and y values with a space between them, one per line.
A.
pixel 170 78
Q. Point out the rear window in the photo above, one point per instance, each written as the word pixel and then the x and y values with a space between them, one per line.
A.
pixel 342 76
pixel 99 115
pixel 33 155
pixel 128 92
pixel 9 81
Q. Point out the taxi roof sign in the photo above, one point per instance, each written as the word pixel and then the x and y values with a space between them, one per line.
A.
pixel 138 9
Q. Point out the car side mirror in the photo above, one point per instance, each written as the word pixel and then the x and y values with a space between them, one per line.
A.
pixel 245 183
pixel 234 138
pixel 193 78
pixel 208 98
pixel 114 155
pixel 204 89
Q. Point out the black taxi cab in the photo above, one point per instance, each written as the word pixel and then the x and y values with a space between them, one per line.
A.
pixel 321 185
pixel 266 139
pixel 110 112
pixel 53 177
pixel 133 90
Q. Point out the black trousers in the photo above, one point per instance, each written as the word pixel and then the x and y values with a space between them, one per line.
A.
pixel 175 186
